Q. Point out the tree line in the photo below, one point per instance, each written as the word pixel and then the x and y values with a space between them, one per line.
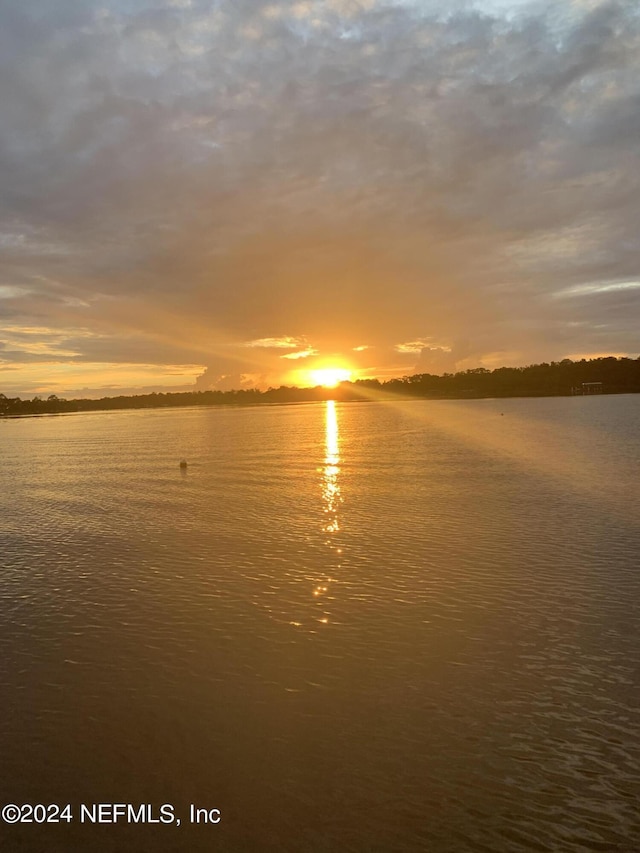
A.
pixel 607 375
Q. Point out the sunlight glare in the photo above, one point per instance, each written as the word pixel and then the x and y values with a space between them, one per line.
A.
pixel 329 377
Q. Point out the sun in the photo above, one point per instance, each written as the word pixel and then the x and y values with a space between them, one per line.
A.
pixel 329 377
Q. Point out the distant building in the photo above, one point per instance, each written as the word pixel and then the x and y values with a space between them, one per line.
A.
pixel 588 388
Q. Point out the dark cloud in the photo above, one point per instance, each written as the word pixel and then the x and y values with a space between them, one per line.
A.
pixel 179 178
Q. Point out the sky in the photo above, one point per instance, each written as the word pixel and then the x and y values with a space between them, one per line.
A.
pixel 235 193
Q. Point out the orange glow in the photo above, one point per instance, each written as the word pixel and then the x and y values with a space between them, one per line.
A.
pixel 329 377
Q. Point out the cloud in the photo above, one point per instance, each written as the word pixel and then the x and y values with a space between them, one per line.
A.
pixel 185 181
pixel 598 287
pixel 276 343
pixel 306 353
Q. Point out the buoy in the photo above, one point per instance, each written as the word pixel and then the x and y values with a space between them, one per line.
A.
pixel 183 463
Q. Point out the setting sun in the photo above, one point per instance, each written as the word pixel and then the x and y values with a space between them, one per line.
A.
pixel 329 376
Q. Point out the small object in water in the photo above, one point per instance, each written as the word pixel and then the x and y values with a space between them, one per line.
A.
pixel 183 463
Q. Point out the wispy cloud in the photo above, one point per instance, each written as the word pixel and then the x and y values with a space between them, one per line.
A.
pixel 597 287
pixel 275 343
pixel 305 353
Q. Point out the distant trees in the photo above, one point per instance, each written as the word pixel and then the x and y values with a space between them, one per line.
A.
pixel 617 375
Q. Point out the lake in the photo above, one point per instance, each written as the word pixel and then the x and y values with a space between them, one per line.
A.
pixel 368 626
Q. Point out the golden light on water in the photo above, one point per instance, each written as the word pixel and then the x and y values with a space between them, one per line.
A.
pixel 531 443
pixel 331 497
pixel 330 485
pixel 332 456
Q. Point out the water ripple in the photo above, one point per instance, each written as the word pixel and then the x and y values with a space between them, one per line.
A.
pixel 354 627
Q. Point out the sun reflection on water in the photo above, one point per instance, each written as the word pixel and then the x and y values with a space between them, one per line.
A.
pixel 330 485
pixel 330 494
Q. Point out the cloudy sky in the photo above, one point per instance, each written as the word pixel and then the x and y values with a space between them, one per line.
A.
pixel 232 193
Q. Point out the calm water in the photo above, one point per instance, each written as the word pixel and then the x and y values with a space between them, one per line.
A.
pixel 358 627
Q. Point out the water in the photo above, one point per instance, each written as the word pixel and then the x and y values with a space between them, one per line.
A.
pixel 358 627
